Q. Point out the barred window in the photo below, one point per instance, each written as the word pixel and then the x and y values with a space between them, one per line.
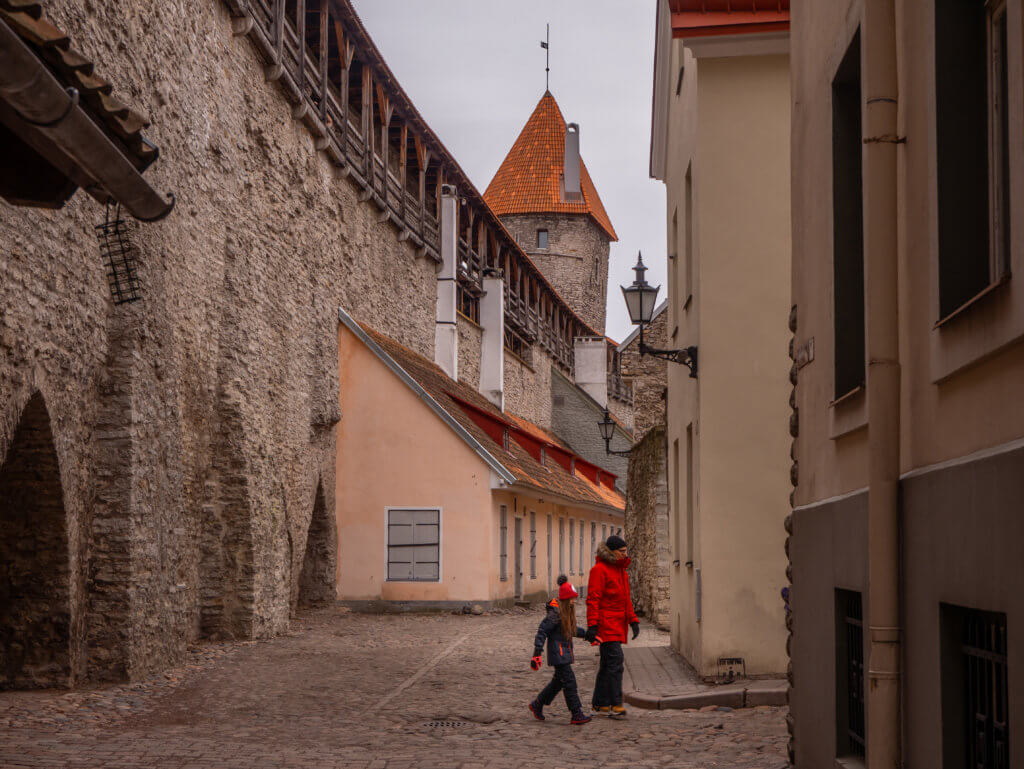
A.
pixel 503 544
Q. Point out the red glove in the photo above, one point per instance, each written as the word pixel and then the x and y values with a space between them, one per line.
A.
pixel 597 641
pixel 536 662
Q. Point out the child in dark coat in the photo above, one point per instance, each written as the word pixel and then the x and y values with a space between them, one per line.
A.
pixel 558 629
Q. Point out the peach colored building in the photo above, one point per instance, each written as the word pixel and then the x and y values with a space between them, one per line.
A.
pixel 443 499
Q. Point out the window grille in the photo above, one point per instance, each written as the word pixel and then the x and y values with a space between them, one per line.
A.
pixel 533 545
pixel 414 545
pixel 849 673
pixel 503 545
pixel 986 723
pixel 572 546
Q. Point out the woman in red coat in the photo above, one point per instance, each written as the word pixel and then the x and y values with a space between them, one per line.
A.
pixel 609 615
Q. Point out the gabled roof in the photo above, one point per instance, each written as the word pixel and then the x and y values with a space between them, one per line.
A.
pixel 529 179
pixel 481 425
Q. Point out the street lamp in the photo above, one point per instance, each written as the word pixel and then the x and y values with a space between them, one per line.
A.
pixel 640 301
pixel 607 427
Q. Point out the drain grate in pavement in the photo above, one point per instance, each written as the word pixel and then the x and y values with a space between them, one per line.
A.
pixel 448 724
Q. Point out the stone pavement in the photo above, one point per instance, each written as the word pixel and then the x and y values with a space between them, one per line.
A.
pixel 657 677
pixel 346 691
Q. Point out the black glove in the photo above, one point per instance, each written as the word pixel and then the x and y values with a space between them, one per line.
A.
pixel 591 633
pixel 636 629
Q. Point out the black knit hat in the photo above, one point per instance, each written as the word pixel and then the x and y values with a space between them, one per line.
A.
pixel 615 542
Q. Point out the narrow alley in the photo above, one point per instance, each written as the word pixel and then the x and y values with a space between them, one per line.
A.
pixel 356 691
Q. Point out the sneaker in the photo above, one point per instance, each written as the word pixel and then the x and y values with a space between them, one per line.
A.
pixel 602 710
pixel 579 719
pixel 617 711
pixel 537 709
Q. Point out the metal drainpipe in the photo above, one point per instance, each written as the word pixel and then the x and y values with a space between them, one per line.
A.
pixel 881 88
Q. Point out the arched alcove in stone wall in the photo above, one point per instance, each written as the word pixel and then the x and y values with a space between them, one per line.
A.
pixel 317 582
pixel 35 602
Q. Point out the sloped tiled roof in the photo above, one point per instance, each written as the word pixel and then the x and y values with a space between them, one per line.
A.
pixel 529 179
pixel 451 395
pixel 121 123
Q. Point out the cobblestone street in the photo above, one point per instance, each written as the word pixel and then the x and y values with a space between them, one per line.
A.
pixel 346 690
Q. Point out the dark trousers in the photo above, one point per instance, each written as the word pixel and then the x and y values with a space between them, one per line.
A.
pixel 564 680
pixel 608 687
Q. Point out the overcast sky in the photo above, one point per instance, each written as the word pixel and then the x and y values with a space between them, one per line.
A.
pixel 475 71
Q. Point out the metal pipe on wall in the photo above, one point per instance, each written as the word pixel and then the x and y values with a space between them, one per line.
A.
pixel 881 109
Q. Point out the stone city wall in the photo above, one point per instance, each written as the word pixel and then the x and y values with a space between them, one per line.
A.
pixel 648 376
pixel 575 262
pixel 647 527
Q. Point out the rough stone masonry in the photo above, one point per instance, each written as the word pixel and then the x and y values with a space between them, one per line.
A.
pixel 191 431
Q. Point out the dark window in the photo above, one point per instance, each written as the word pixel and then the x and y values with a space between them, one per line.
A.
pixel 975 724
pixel 542 238
pixel 516 345
pixel 469 305
pixel 848 224
pixel 849 674
pixel 972 148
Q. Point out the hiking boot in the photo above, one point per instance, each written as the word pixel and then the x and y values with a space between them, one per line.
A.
pixel 603 710
pixel 537 709
pixel 617 711
pixel 578 719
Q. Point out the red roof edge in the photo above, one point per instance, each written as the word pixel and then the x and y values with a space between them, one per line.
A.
pixel 691 24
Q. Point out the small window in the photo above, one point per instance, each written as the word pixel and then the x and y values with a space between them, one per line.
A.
pixel 604 533
pixel 975 716
pixel 533 545
pixel 848 224
pixel 849 674
pixel 593 540
pixel 503 544
pixel 542 238
pixel 469 305
pixel 414 545
pixel 972 132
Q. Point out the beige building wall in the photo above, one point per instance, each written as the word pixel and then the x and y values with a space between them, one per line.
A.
pixel 960 428
pixel 393 451
pixel 727 179
pixel 541 584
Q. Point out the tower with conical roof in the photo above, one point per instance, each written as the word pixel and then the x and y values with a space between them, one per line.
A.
pixel 545 197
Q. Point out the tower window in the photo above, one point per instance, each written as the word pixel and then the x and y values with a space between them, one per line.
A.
pixel 542 238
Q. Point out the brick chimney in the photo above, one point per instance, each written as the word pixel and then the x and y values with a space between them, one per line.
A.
pixel 592 367
pixel 492 345
pixel 446 333
pixel 571 170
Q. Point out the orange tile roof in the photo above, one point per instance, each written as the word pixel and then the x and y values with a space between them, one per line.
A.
pixel 451 395
pixel 529 180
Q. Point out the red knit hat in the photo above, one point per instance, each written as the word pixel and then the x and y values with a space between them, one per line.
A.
pixel 565 589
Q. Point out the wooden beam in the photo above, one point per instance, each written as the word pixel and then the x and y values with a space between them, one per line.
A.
pixel 325 50
pixel 300 18
pixel 404 159
pixel 279 30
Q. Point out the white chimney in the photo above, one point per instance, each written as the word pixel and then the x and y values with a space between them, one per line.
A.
pixel 571 172
pixel 492 345
pixel 446 333
pixel 592 367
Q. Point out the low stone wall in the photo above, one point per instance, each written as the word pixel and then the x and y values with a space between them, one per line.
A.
pixel 647 527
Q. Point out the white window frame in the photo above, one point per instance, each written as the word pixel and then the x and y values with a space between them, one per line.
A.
pixel 503 543
pixel 440 542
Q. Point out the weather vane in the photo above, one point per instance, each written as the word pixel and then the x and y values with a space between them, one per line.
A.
pixel 546 45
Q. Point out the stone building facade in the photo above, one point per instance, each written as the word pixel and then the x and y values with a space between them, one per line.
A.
pixel 647 376
pixel 575 259
pixel 647 527
pixel 175 456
